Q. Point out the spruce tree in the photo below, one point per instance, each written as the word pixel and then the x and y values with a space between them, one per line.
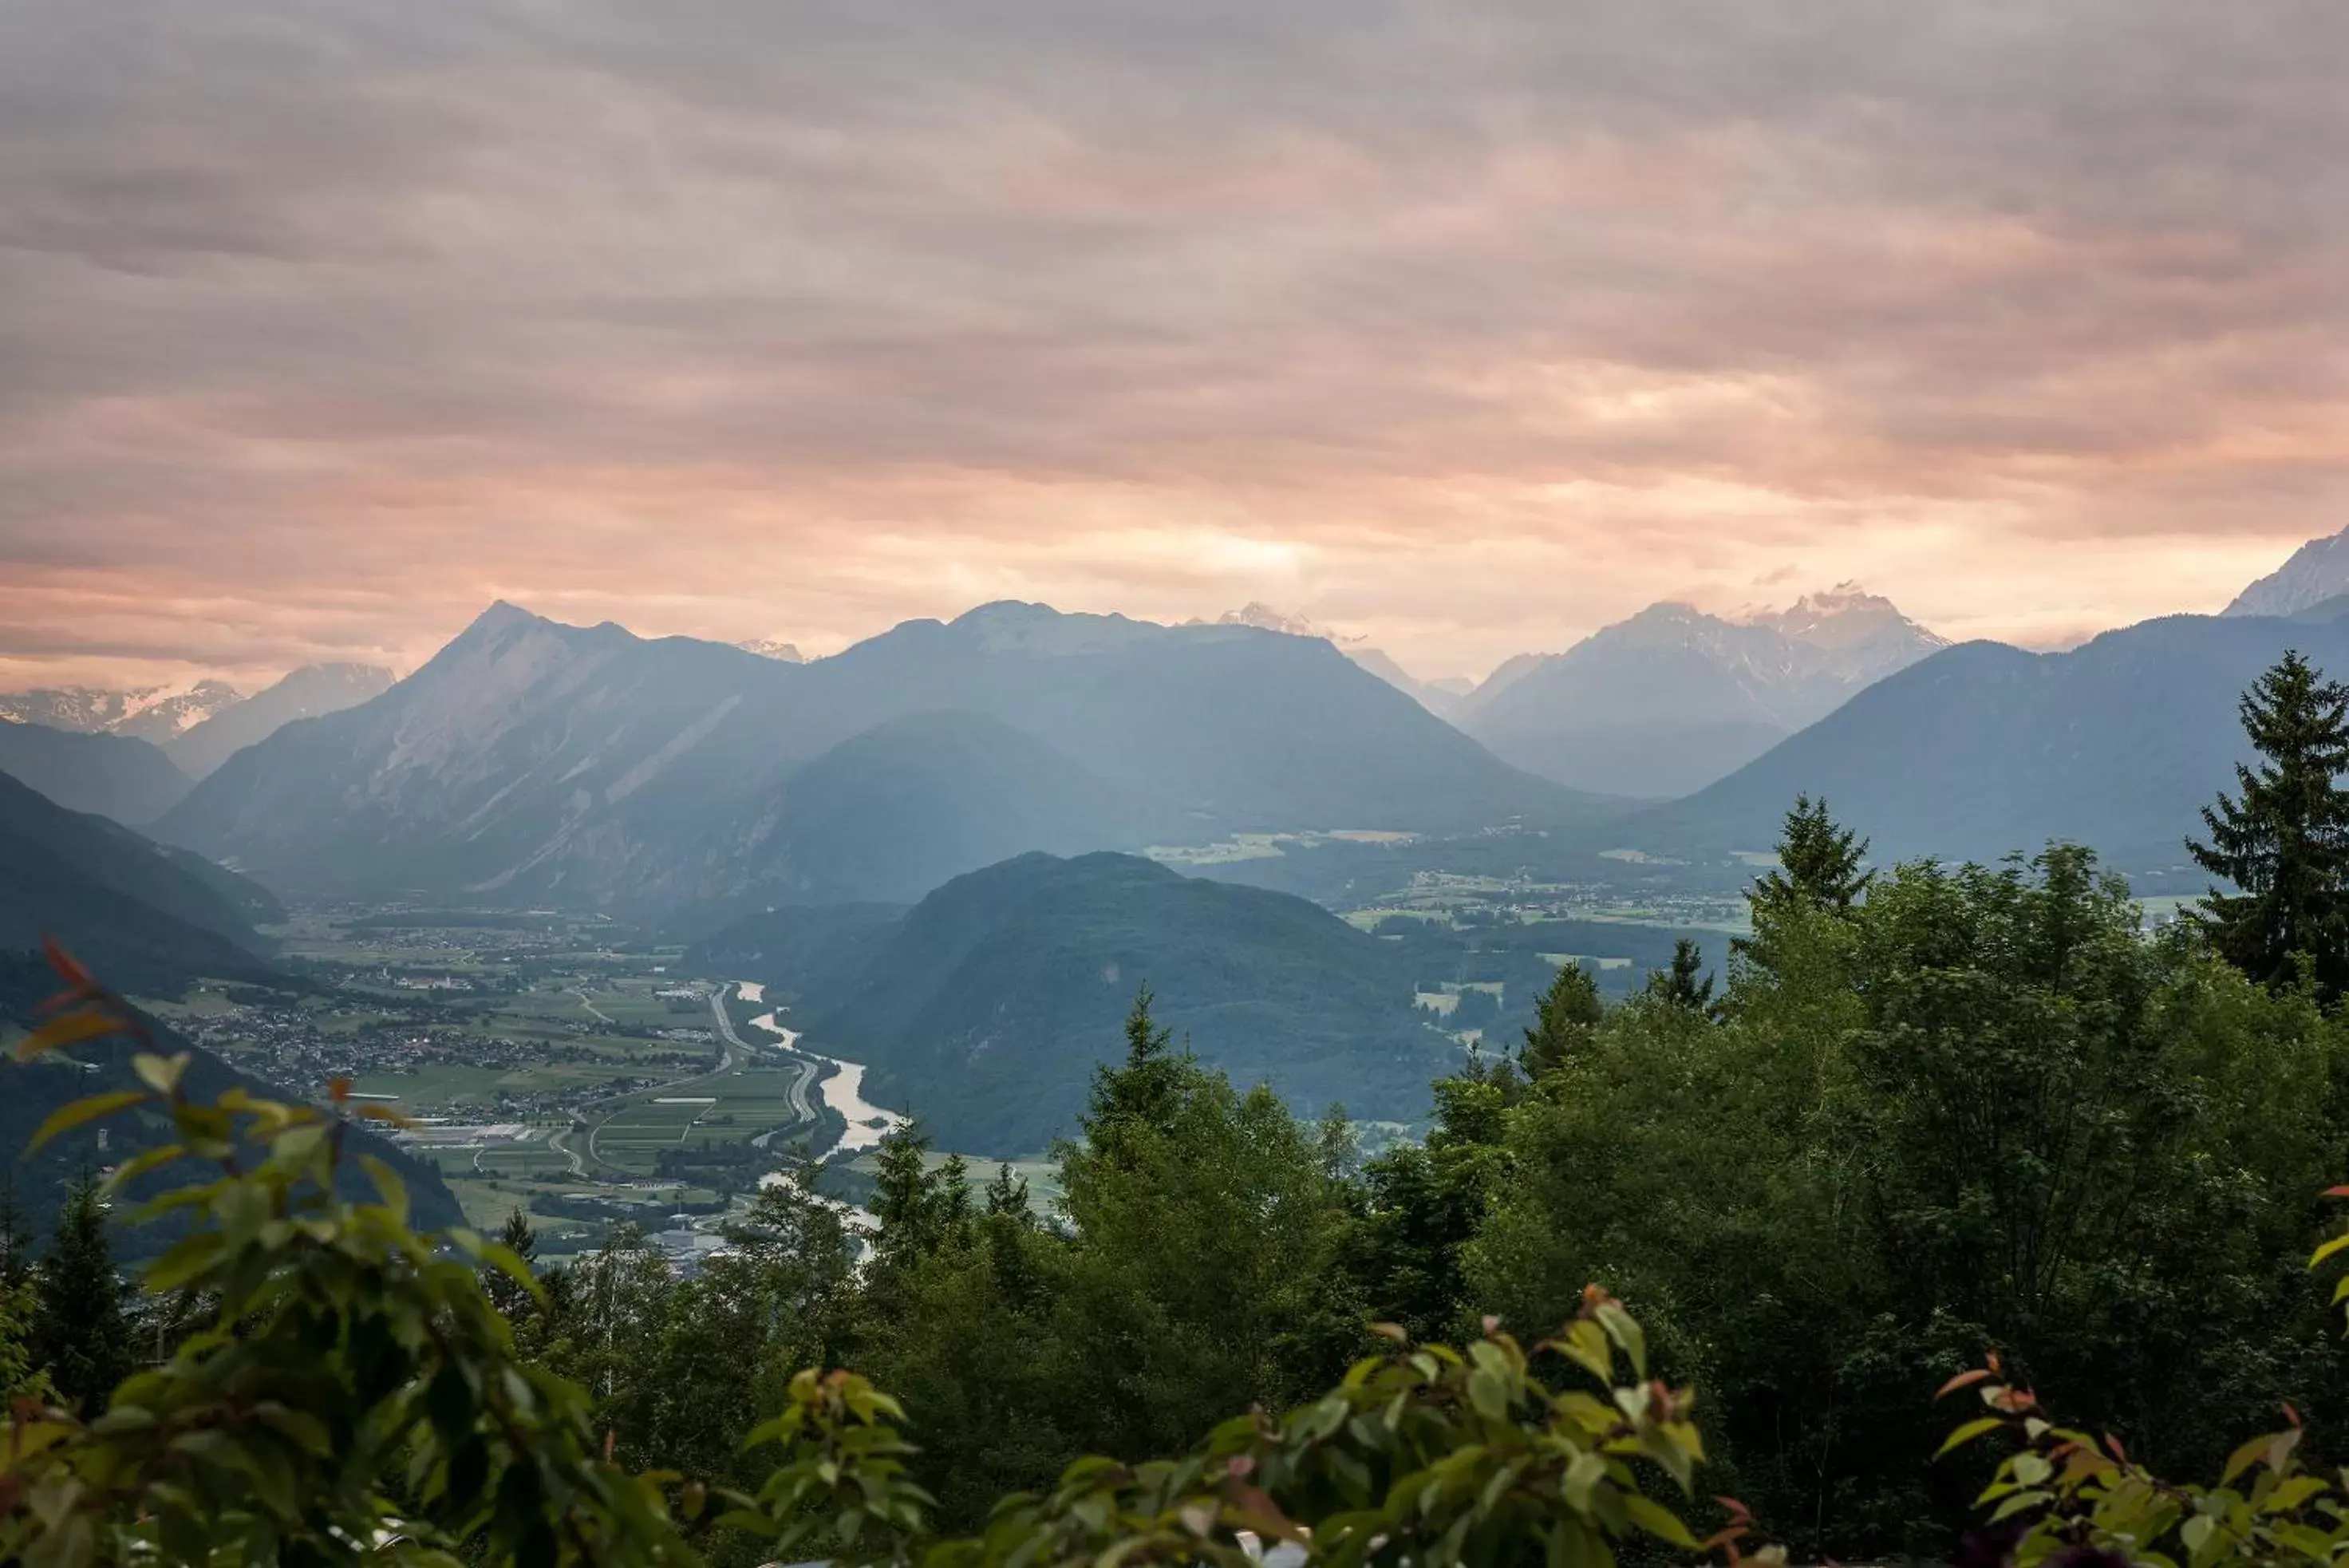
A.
pixel 505 1292
pixel 1146 1090
pixel 1563 1019
pixel 1679 986
pixel 2283 841
pixel 920 1209
pixel 1818 864
pixel 80 1332
pixel 1008 1193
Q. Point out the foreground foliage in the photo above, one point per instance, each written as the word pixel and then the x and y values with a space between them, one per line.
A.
pixel 357 1392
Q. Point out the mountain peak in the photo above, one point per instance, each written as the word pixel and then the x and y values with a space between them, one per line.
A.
pixel 1008 625
pixel 502 614
pixel 1847 616
pixel 2317 571
pixel 1265 618
pixel 769 648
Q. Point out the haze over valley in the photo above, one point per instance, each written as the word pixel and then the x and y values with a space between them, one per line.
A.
pixel 1367 785
pixel 576 858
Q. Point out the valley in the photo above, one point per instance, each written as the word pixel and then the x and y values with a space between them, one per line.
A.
pixel 553 1065
pixel 590 1072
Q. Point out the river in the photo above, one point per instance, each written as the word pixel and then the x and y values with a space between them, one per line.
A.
pixel 843 1090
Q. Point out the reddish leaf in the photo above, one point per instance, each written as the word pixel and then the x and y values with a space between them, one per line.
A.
pixel 67 966
pixel 1964 1380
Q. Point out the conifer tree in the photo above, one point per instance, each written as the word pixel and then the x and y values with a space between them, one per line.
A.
pixel 1008 1193
pixel 507 1293
pixel 1563 1019
pixel 2283 841
pixel 1679 986
pixel 1818 865
pixel 1146 1090
pixel 920 1209
pixel 80 1332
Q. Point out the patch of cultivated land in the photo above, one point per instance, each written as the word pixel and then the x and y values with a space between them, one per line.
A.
pixel 553 1067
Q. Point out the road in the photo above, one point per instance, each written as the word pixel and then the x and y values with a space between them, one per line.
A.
pixel 799 1105
pixel 592 1008
pixel 737 1051
pixel 578 1165
pixel 726 1022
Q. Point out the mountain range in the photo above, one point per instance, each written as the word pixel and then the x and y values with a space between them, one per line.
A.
pixel 1440 696
pixel 986 1006
pixel 156 713
pixel 201 723
pixel 307 693
pixel 1983 749
pixel 586 765
pixel 1674 698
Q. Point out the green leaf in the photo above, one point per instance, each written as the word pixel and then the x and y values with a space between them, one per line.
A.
pixel 1485 1393
pixel 1625 1331
pixel 1658 1520
pixel 2242 1458
pixel 1968 1433
pixel 2196 1533
pixel 161 1074
pixel 67 1117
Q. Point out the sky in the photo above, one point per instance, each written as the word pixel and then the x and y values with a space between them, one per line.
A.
pixel 1467 325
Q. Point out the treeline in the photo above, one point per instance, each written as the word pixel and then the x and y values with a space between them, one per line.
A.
pixel 1929 1115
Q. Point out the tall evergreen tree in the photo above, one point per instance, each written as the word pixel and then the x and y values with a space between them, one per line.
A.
pixel 505 1292
pixel 1008 1193
pixel 1680 986
pixel 920 1209
pixel 80 1332
pixel 2283 841
pixel 1563 1019
pixel 1146 1091
pixel 1818 864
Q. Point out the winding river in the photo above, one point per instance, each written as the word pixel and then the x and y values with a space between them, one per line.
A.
pixel 842 1090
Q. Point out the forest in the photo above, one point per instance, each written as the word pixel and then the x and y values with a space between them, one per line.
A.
pixel 1678 1274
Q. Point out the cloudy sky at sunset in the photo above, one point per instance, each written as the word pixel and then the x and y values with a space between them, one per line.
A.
pixel 1470 325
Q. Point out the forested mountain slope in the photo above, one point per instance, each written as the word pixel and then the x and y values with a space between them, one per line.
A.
pixel 984 1007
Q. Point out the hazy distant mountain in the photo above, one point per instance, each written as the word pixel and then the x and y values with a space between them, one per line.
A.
pixel 891 813
pixel 589 766
pixel 150 917
pixel 984 1007
pixel 1668 700
pixel 1438 696
pixel 199 723
pixel 2318 570
pixel 128 780
pixel 1984 749
pixel 306 694
pixel 150 921
pixel 150 713
pixel 768 647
